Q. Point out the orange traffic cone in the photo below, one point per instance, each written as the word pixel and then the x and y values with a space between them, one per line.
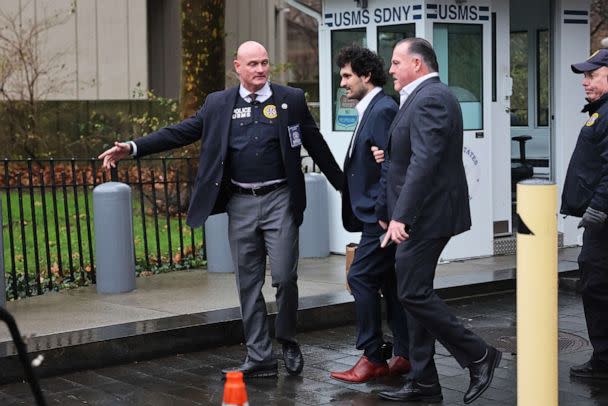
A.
pixel 234 390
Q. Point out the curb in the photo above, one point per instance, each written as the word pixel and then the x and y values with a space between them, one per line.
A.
pixel 148 339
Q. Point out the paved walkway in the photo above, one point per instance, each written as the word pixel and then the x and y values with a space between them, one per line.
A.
pixel 193 379
pixel 197 291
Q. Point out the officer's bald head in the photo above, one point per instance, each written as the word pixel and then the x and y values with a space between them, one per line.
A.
pixel 252 65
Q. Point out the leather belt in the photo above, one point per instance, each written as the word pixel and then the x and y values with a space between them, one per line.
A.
pixel 258 191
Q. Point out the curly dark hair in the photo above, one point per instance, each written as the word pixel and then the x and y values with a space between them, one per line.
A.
pixel 363 62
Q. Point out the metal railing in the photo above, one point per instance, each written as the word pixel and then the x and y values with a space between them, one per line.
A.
pixel 48 227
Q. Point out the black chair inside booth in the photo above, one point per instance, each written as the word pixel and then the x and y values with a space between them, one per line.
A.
pixel 520 168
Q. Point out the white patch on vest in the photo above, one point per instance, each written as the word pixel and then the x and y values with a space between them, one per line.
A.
pixel 241 112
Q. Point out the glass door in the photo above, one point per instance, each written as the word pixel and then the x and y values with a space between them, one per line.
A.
pixel 463 54
pixel 530 132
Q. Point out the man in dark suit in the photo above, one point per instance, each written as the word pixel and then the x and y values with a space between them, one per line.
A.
pixel 363 210
pixel 428 203
pixel 249 166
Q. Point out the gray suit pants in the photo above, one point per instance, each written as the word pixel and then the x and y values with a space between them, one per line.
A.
pixel 261 226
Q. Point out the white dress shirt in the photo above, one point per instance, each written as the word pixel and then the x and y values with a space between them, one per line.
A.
pixel 263 94
pixel 409 89
pixel 361 106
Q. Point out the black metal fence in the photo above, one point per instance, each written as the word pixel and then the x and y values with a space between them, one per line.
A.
pixel 48 228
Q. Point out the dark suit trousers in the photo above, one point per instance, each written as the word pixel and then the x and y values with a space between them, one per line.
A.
pixel 593 263
pixel 429 318
pixel 372 270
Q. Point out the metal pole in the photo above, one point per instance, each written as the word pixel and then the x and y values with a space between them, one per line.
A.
pixel 113 220
pixel 28 369
pixel 537 293
pixel 2 276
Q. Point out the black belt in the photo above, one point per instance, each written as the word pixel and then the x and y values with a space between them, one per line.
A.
pixel 258 191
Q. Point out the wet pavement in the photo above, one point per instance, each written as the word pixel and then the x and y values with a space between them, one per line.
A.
pixel 194 378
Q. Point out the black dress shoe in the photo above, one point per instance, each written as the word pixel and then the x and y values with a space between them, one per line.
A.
pixel 413 391
pixel 482 373
pixel 251 369
pixel 588 371
pixel 294 362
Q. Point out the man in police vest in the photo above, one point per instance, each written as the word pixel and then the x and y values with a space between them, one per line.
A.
pixel 585 195
pixel 249 166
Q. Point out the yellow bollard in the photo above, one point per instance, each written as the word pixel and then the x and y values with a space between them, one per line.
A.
pixel 537 293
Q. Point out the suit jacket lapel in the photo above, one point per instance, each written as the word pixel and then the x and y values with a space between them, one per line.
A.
pixel 403 108
pixel 279 95
pixel 366 115
pixel 226 110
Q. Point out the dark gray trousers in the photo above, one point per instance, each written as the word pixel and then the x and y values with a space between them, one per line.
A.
pixel 429 318
pixel 261 226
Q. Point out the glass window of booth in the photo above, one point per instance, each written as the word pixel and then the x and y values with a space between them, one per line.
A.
pixel 344 113
pixel 542 91
pixel 459 49
pixel 519 73
pixel 388 36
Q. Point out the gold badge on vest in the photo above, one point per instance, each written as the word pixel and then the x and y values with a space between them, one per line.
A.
pixel 270 111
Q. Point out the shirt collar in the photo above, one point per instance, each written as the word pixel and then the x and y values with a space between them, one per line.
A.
pixel 366 100
pixel 594 105
pixel 409 89
pixel 263 94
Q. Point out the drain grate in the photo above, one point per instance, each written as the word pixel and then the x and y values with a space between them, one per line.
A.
pixel 504 338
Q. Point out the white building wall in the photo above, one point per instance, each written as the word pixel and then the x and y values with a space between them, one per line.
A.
pixel 99 51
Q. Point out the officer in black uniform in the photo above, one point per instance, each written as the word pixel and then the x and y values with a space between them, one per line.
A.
pixel 585 195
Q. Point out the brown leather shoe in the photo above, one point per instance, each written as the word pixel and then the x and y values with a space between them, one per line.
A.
pixel 363 371
pixel 398 365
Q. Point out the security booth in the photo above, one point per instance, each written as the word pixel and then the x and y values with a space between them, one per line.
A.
pixel 508 63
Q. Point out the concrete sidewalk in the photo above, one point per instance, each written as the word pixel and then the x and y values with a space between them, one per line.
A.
pixel 192 310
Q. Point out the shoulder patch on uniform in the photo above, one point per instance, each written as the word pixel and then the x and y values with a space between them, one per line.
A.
pixel 592 119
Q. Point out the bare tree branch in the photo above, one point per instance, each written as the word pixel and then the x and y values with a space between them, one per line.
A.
pixel 27 75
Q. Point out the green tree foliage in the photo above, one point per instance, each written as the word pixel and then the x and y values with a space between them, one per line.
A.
pixel 203 52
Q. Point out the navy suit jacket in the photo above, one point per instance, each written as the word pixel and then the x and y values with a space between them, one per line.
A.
pixel 362 198
pixel 426 183
pixel 211 124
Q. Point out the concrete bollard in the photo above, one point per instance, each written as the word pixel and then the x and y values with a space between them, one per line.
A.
pixel 537 293
pixel 217 246
pixel 2 275
pixel 113 219
pixel 314 231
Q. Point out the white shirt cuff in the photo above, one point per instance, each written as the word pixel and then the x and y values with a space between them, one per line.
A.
pixel 133 148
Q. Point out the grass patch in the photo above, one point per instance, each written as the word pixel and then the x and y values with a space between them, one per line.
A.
pixel 58 225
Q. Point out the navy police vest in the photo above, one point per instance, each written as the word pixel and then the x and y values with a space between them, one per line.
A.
pixel 254 147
